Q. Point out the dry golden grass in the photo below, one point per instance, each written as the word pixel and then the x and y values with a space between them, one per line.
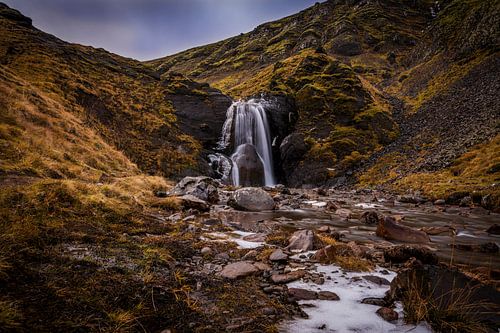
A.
pixel 458 315
pixel 10 317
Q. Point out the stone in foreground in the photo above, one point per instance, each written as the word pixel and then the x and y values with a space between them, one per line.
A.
pixel 252 199
pixel 301 241
pixel 387 314
pixel 388 228
pixel 238 270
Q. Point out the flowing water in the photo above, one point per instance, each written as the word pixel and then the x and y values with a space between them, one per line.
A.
pixel 246 124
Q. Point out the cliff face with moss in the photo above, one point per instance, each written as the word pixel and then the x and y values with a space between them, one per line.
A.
pixel 409 84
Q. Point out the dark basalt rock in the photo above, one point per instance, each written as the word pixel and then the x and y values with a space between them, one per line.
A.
pixel 249 164
pixel 201 116
pixel 442 286
pixel 402 253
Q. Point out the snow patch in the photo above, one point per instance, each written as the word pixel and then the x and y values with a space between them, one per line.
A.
pixel 348 314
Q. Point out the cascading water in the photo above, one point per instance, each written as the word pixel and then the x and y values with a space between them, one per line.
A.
pixel 246 127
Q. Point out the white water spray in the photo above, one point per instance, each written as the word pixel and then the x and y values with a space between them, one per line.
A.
pixel 246 123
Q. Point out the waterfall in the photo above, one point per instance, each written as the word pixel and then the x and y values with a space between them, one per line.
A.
pixel 247 128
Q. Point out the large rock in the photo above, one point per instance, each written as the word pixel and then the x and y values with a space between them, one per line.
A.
pixel 249 164
pixel 204 188
pixel 238 270
pixel 388 228
pixel 278 255
pixel 289 277
pixel 402 253
pixel 301 241
pixel 191 202
pixel 443 288
pixel 252 199
pixel 299 294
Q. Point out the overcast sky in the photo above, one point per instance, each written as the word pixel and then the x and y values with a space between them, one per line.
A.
pixel 148 29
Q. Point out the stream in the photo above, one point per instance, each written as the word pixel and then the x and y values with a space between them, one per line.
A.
pixel 467 227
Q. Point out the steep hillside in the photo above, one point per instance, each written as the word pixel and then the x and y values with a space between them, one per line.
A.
pixel 411 78
pixel 360 32
pixel 448 93
pixel 87 110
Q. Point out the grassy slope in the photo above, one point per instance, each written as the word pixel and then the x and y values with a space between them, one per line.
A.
pixel 82 246
pixel 463 38
pixel 77 94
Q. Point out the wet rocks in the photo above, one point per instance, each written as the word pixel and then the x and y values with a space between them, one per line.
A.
pixel 387 314
pixel 301 241
pixel 344 213
pixel 238 270
pixel 328 296
pixel 278 255
pixel 488 247
pixel 400 254
pixel 298 294
pixel 191 202
pixel 252 199
pixel 494 229
pixel 413 199
pixel 206 251
pixel 440 202
pixel 288 277
pixel 369 218
pixel 203 188
pixel 436 230
pixel 388 228
pixel 377 280
pixel 374 301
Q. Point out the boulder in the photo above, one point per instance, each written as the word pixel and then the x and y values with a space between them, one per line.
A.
pixel 369 218
pixel 377 280
pixel 374 301
pixel 298 294
pixel 347 45
pixel 301 241
pixel 388 228
pixel 328 296
pixel 402 253
pixel 278 255
pixel 204 188
pixel 252 199
pixel 238 269
pixel 344 213
pixel 387 314
pixel 289 277
pixel 192 202
pixel 249 164
pixel 494 229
